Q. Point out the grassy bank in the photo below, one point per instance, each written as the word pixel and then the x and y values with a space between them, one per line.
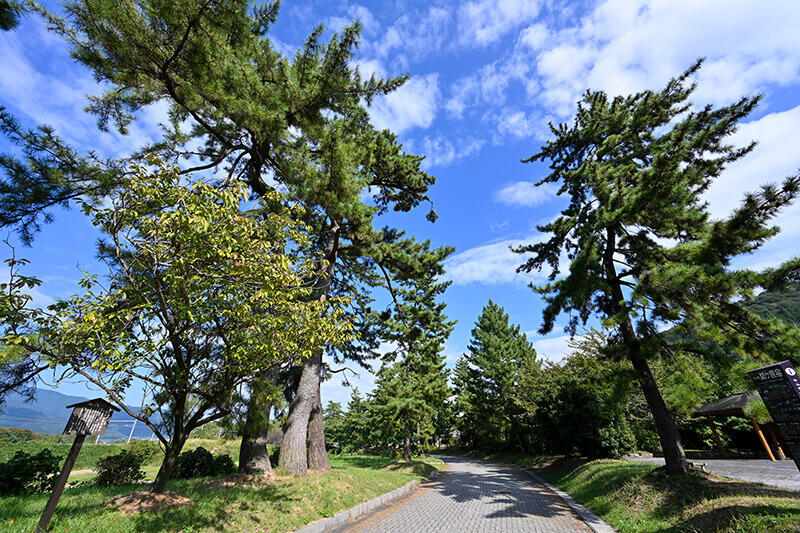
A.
pixel 284 504
pixel 637 498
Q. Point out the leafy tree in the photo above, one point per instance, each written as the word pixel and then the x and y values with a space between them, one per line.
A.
pixel 201 299
pixel 641 246
pixel 253 116
pixel 487 381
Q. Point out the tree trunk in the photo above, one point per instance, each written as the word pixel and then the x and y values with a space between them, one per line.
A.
pixel 317 454
pixel 406 443
pixel 674 456
pixel 520 441
pixel 171 452
pixel 293 455
pixel 253 452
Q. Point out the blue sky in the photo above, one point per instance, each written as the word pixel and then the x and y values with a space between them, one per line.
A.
pixel 485 79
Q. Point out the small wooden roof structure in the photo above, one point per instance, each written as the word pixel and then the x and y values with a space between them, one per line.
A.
pixel 733 405
pixel 90 417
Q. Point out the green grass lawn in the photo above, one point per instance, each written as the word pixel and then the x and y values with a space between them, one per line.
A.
pixel 635 498
pixel 90 453
pixel 285 504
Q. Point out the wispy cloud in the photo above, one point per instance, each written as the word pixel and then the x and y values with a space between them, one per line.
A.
pixel 526 193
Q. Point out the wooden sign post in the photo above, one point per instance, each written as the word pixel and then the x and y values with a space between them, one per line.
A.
pixel 88 418
pixel 779 387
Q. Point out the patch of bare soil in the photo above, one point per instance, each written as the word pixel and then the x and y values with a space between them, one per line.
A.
pixel 239 480
pixel 142 501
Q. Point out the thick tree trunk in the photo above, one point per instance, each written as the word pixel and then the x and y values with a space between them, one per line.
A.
pixel 253 452
pixel 406 443
pixel 317 454
pixel 171 453
pixel 674 456
pixel 293 455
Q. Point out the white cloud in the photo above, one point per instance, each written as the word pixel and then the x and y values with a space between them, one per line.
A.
pixel 490 264
pixel 625 46
pixel 484 22
pixel 441 152
pixel 411 106
pixel 554 349
pixel 526 193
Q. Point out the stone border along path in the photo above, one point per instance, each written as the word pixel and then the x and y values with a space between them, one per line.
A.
pixel 470 496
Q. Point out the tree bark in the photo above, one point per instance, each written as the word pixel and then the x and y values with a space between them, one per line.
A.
pixel 317 452
pixel 668 435
pixel 253 452
pixel 674 456
pixel 171 453
pixel 406 442
pixel 293 455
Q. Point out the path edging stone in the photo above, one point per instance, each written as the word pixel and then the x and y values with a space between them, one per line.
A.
pixel 597 524
pixel 326 524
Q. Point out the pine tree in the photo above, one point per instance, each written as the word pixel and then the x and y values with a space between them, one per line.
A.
pixel 254 116
pixel 412 383
pixel 9 14
pixel 487 381
pixel 642 248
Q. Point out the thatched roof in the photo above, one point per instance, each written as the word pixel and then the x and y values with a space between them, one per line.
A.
pixel 732 405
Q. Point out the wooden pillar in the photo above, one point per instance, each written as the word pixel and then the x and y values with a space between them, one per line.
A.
pixel 763 440
pixel 61 482
pixel 776 442
pixel 716 436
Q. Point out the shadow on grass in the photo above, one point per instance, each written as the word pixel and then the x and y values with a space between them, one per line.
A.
pixel 375 462
pixel 214 509
pixel 695 502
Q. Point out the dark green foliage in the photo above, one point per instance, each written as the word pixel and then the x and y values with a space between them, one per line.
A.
pixel 201 463
pixel 487 383
pixel 334 419
pixel 643 250
pixel 9 14
pixel 784 305
pixel 26 472
pixel 121 469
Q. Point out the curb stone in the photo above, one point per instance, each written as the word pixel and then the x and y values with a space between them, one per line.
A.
pixel 597 524
pixel 326 524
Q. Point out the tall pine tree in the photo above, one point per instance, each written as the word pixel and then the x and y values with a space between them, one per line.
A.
pixel 253 116
pixel 487 378
pixel 642 248
pixel 412 384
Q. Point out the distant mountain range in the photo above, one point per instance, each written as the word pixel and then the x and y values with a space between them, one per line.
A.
pixel 47 414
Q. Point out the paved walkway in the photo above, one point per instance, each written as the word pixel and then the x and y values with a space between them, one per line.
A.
pixel 782 474
pixel 473 496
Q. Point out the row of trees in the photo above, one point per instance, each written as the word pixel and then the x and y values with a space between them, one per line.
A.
pixel 209 301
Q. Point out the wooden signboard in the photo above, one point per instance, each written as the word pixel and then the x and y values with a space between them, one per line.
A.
pixel 88 418
pixel 779 387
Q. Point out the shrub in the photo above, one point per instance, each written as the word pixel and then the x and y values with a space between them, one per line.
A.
pixel 29 473
pixel 223 464
pixel 123 468
pixel 15 435
pixel 149 451
pixel 202 463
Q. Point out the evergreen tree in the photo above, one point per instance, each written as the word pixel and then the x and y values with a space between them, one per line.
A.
pixel 642 248
pixel 9 14
pixel 412 383
pixel 255 117
pixel 356 423
pixel 487 381
pixel 334 417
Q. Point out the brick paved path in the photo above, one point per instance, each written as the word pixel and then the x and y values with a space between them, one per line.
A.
pixel 474 496
pixel 782 474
